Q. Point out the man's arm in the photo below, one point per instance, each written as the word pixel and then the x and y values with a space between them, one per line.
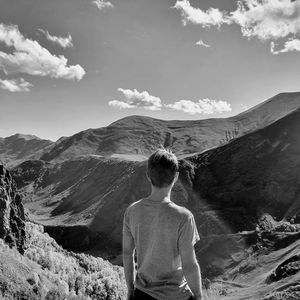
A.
pixel 128 259
pixel 191 271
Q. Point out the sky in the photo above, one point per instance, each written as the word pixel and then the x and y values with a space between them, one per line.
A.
pixel 70 65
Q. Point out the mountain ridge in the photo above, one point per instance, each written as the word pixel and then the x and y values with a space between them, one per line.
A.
pixel 139 135
pixel 135 137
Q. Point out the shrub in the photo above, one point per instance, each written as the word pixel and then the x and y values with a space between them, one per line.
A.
pixel 75 276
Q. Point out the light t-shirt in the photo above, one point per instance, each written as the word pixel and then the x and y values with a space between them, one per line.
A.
pixel 160 230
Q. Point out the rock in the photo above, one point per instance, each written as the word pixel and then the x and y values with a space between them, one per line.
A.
pixel 12 226
pixel 268 223
pixel 289 267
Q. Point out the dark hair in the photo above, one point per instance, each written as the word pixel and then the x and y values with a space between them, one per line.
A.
pixel 162 168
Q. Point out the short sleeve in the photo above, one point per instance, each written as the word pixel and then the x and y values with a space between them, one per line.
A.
pixel 188 233
pixel 126 224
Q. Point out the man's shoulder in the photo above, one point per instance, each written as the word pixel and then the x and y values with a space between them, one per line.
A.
pixel 181 211
pixel 134 205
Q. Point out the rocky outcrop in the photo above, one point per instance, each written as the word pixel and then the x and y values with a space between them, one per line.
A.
pixel 287 268
pixel 12 226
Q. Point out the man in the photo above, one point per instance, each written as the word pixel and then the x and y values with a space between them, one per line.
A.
pixel 164 235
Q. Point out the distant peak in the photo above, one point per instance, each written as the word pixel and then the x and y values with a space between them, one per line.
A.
pixel 133 118
pixel 26 137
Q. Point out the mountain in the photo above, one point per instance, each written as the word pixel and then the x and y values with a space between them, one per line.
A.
pixel 255 173
pixel 227 188
pixel 135 137
pixel 19 147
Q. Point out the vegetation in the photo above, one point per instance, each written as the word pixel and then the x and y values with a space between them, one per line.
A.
pixel 55 273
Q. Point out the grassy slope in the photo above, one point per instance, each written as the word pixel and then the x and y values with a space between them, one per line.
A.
pixel 251 278
pixel 46 271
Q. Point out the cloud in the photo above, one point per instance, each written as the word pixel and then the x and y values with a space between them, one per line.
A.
pixel 244 107
pixel 202 106
pixel 262 19
pixel 135 99
pixel 289 46
pixel 120 104
pixel 15 85
pixel 101 4
pixel 201 43
pixel 267 19
pixel 64 42
pixel 30 57
pixel 211 17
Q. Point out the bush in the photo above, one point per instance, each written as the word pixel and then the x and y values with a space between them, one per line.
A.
pixel 75 276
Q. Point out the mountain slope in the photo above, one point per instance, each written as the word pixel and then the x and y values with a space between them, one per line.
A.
pixel 20 147
pixel 138 136
pixel 269 111
pixel 255 173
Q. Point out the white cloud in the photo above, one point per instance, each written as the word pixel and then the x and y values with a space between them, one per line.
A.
pixel 120 104
pixel 15 85
pixel 211 17
pixel 101 4
pixel 135 99
pixel 201 43
pixel 31 58
pixel 289 46
pixel 244 107
pixel 263 19
pixel 64 42
pixel 267 19
pixel 202 106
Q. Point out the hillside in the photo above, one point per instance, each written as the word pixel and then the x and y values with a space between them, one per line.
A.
pixel 255 173
pixel 33 266
pixel 46 271
pixel 138 136
pixel 19 147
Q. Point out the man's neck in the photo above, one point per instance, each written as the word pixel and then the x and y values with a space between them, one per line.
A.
pixel 160 194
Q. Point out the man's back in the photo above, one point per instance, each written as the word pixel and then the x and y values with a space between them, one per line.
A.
pixel 160 230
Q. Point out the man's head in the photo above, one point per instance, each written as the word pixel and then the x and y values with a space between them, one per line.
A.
pixel 162 168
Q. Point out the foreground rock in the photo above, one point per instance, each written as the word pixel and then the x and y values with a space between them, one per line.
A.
pixel 11 213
